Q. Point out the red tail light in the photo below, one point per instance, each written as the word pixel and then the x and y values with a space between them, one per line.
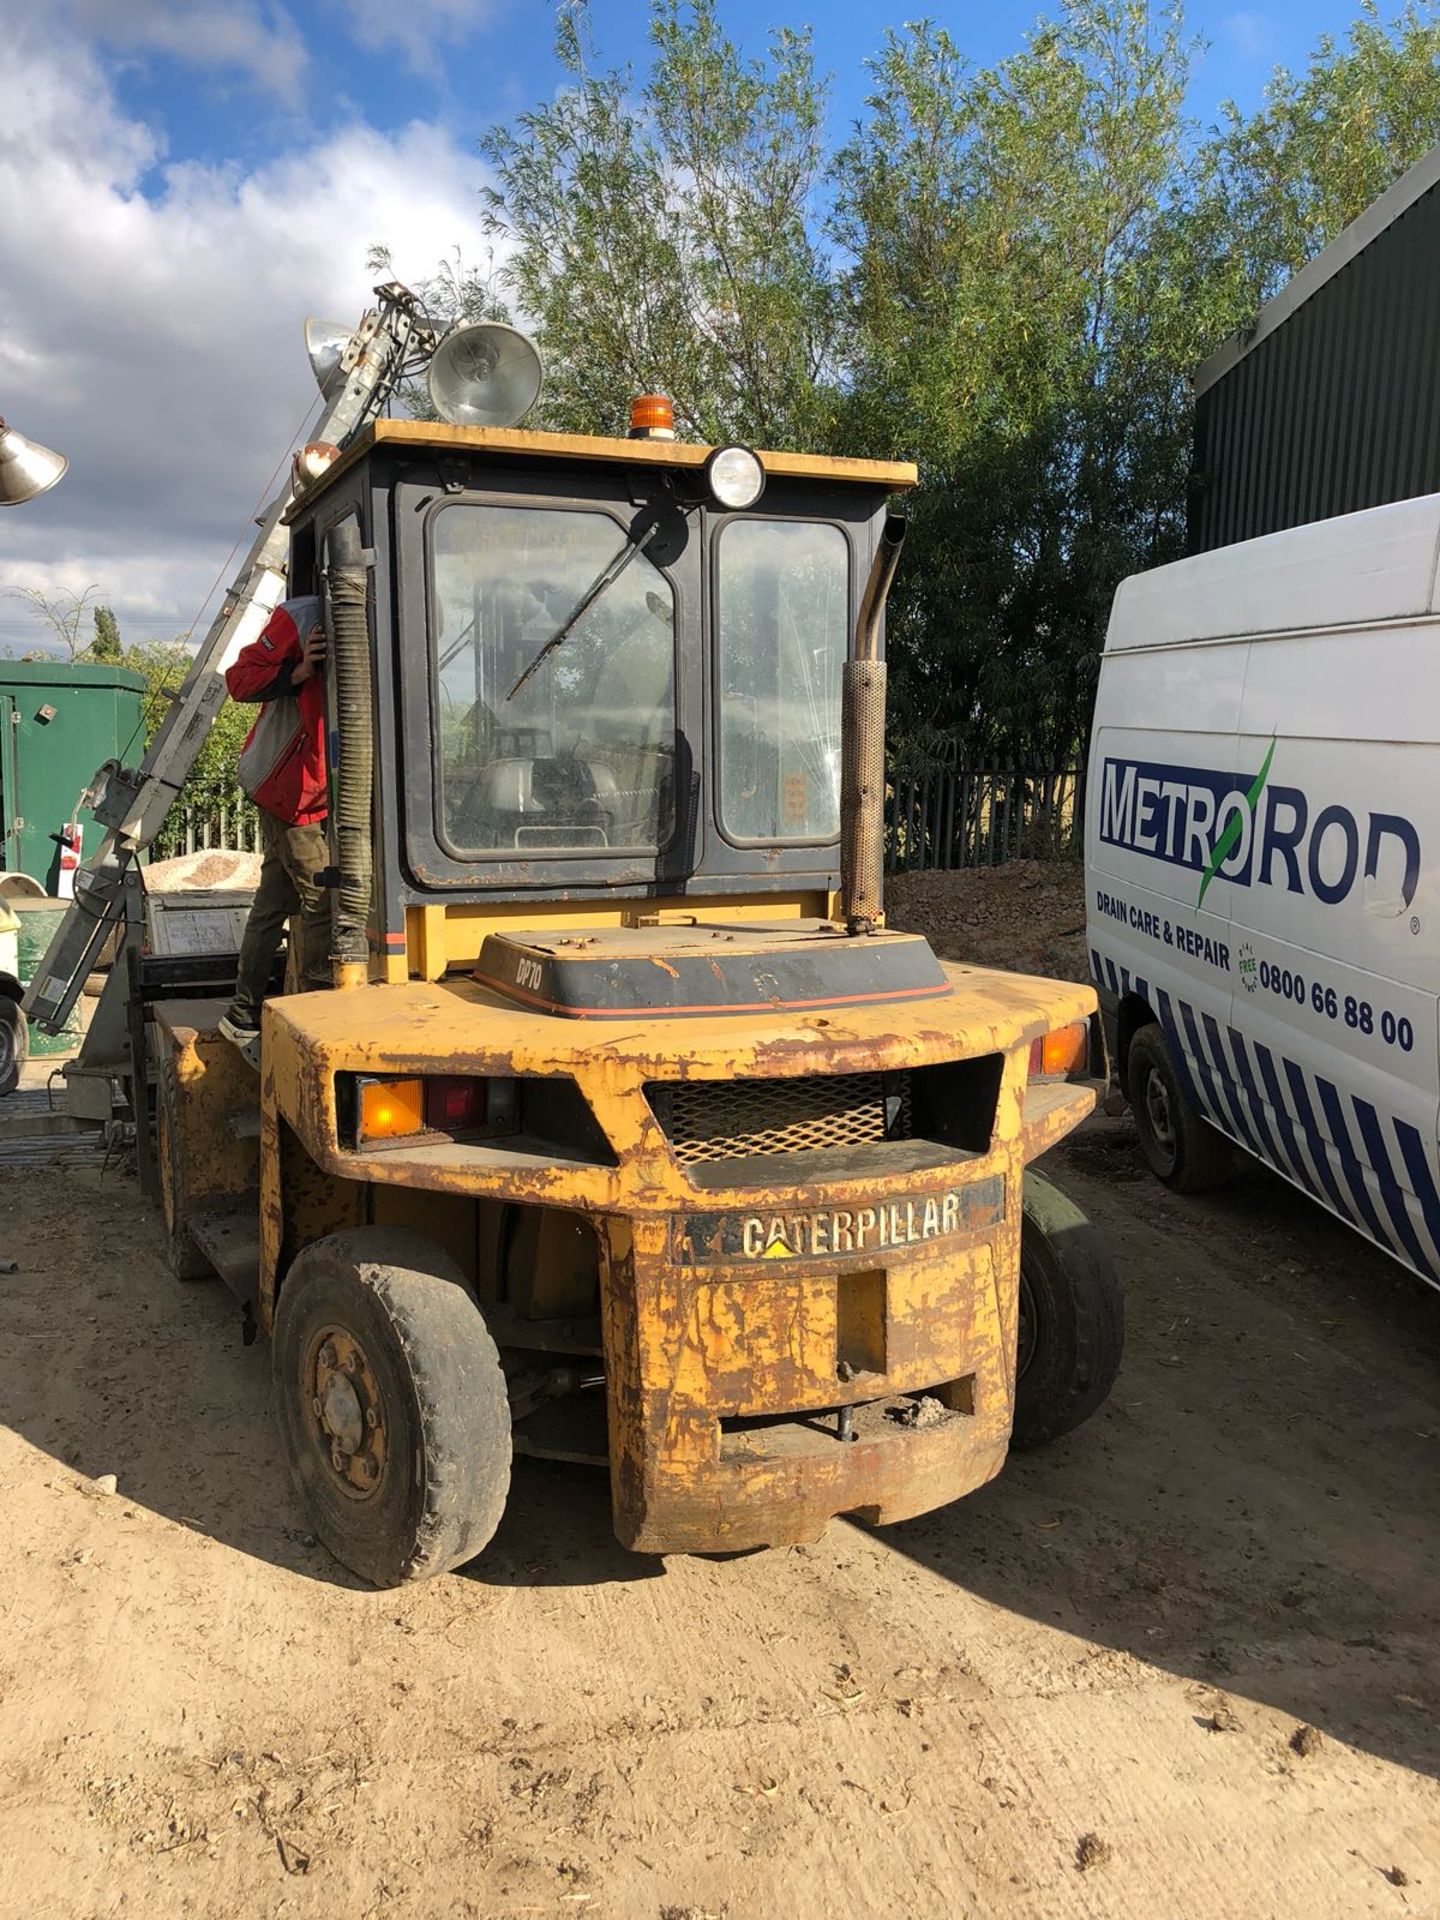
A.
pixel 454 1104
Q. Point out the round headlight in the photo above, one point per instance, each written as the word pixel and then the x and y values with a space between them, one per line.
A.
pixel 735 476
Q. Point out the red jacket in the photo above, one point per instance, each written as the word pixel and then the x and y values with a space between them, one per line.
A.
pixel 282 763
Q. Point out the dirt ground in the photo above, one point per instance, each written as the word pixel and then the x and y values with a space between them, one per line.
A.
pixel 1027 914
pixel 1088 1690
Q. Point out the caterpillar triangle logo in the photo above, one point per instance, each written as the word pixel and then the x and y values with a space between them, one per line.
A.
pixel 777 1250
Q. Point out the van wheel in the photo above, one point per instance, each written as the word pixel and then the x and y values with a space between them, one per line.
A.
pixel 1180 1147
pixel 1072 1318
pixel 392 1404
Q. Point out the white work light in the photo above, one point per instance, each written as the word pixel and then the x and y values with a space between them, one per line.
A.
pixel 26 468
pixel 487 375
pixel 735 477
pixel 325 342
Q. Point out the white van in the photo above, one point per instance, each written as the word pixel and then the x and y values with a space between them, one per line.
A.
pixel 1261 839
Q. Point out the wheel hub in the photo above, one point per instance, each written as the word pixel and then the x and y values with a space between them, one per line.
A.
pixel 341 1415
pixel 1157 1109
pixel 347 1416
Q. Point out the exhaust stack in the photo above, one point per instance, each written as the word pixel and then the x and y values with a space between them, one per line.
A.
pixel 862 747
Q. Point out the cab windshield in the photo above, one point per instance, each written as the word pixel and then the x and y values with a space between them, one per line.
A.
pixel 582 757
pixel 783 632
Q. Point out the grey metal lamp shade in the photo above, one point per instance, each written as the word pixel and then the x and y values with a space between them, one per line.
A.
pixel 487 375
pixel 26 468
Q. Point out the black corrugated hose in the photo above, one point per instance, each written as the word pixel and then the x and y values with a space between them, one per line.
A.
pixel 346 580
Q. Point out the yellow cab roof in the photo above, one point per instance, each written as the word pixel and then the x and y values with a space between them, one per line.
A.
pixel 894 475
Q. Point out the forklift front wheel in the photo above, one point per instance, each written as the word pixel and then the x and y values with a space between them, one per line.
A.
pixel 1072 1318
pixel 392 1404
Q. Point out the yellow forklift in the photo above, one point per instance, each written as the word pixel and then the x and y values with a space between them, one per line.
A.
pixel 628 1133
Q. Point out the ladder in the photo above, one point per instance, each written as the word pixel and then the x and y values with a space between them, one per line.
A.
pixel 131 803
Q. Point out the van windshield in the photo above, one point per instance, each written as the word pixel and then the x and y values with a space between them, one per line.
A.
pixel 582 758
pixel 783 620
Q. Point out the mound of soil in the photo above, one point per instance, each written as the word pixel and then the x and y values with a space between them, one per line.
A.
pixel 1027 915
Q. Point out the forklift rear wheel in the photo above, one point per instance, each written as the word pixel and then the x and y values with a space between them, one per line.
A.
pixel 14 1044
pixel 1180 1147
pixel 392 1404
pixel 1072 1318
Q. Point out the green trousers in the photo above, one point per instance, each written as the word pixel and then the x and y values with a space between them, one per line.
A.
pixel 293 859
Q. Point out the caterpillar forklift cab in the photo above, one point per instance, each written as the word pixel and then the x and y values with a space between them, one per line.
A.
pixel 623 1136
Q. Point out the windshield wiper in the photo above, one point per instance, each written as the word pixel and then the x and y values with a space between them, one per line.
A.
pixel 603 581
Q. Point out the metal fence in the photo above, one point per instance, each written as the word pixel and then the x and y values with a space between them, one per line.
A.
pixel 198 829
pixel 939 816
pixel 936 816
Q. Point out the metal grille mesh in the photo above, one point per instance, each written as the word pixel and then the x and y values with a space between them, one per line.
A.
pixel 727 1119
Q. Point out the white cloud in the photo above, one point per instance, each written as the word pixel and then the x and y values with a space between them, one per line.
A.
pixel 156 339
pixel 419 28
pixel 249 37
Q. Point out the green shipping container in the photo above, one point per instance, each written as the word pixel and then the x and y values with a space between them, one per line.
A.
pixel 57 725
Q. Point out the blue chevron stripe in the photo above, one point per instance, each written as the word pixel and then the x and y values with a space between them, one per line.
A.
pixel 1349 1160
pixel 1179 1053
pixel 1217 1106
pixel 1242 1129
pixel 1283 1121
pixel 1391 1191
pixel 1422 1180
pixel 1314 1134
pixel 1257 1106
pixel 1249 1101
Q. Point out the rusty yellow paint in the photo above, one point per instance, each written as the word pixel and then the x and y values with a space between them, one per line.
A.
pixel 895 476
pixel 691 1351
pixel 460 1026
pixel 862 1321
pixel 273 1194
pixel 207 1092
pixel 338 1358
pixel 447 1219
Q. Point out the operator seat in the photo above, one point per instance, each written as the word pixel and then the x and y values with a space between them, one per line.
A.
pixel 558 800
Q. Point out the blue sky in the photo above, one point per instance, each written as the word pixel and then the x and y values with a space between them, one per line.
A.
pixel 181 181
pixel 470 62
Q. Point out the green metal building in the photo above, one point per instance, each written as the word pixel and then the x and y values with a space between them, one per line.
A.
pixel 58 723
pixel 1330 402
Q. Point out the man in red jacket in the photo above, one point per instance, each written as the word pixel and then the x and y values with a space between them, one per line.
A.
pixel 282 768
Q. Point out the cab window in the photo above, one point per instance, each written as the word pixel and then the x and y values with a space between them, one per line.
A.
pixel 582 756
pixel 782 601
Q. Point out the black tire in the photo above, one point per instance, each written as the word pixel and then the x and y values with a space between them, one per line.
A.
pixel 182 1256
pixel 425 1490
pixel 14 1044
pixel 1072 1318
pixel 1180 1146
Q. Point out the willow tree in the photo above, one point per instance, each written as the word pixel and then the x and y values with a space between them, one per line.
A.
pixel 659 234
pixel 1276 185
pixel 1024 329
pixel 1039 256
